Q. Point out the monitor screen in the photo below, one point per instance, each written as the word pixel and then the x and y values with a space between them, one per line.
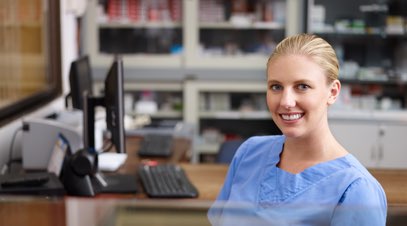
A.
pixel 80 80
pixel 114 104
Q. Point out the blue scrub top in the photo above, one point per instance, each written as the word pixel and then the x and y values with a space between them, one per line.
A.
pixel 257 192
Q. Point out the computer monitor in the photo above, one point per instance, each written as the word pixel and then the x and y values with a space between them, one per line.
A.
pixel 80 81
pixel 83 177
pixel 113 103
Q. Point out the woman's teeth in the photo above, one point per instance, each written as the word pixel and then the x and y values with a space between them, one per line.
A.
pixel 291 116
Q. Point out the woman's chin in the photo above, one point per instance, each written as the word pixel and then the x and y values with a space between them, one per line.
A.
pixel 289 133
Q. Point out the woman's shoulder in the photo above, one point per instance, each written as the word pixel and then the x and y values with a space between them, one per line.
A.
pixel 362 177
pixel 266 139
pixel 257 146
pixel 357 168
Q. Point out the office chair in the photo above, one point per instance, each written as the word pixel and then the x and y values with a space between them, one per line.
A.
pixel 227 150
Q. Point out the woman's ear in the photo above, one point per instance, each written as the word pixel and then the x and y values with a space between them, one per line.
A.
pixel 335 89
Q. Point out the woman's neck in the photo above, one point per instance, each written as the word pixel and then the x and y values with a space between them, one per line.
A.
pixel 303 152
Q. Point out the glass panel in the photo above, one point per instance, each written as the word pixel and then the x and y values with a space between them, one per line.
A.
pixel 240 27
pixel 22 50
pixel 140 26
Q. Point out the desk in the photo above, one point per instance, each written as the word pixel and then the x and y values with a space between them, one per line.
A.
pixel 208 178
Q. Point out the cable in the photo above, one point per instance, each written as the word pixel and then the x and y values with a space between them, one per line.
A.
pixel 107 146
pixel 10 157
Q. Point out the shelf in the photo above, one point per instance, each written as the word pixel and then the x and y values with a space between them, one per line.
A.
pixel 156 86
pixel 360 34
pixel 249 115
pixel 255 25
pixel 129 24
pixel 162 114
pixel 395 116
pixel 184 51
pixel 373 81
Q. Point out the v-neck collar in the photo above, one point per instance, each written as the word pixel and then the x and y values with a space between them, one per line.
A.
pixel 279 185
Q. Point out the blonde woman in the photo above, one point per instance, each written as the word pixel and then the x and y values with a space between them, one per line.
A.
pixel 303 177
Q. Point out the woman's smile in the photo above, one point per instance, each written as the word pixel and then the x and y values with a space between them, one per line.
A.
pixel 291 116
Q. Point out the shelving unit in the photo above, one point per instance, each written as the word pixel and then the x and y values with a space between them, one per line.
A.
pixel 137 37
pixel 369 38
pixel 187 36
pixel 217 37
pixel 224 122
pixel 376 83
pixel 167 95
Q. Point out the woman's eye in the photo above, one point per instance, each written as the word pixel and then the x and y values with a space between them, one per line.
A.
pixel 276 87
pixel 303 87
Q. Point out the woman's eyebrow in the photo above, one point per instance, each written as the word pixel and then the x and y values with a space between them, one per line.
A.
pixel 273 81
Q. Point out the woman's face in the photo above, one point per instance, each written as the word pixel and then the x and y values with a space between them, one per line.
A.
pixel 298 95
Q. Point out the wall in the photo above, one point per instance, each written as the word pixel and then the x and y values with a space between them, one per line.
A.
pixel 69 52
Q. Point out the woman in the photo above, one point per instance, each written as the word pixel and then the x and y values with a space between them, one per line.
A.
pixel 304 177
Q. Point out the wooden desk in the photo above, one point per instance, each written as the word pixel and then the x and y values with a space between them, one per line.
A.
pixel 394 183
pixel 208 178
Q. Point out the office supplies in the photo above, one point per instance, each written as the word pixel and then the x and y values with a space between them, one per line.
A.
pixel 166 181
pixel 156 144
pixel 39 183
pixel 58 154
pixel 38 140
pixel 110 161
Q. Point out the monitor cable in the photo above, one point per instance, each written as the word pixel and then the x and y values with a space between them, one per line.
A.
pixel 7 167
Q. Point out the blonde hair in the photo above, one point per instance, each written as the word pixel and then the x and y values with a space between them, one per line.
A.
pixel 319 50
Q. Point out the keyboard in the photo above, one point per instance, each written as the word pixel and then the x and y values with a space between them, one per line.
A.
pixel 166 181
pixel 158 145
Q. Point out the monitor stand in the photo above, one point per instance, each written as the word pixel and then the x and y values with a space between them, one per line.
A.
pixel 102 183
pixel 114 183
pixel 81 177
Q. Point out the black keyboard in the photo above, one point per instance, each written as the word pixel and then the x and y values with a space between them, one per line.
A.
pixel 159 145
pixel 166 181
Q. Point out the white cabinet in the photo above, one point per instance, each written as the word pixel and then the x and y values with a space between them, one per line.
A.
pixel 394 145
pixel 359 138
pixel 167 98
pixel 223 119
pixel 375 143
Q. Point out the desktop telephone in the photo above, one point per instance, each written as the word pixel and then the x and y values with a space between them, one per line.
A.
pixel 156 145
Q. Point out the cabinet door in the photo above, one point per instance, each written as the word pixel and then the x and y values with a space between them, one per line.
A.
pixel 148 33
pixel 359 138
pixel 233 34
pixel 394 146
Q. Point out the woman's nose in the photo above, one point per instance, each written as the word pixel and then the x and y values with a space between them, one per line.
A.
pixel 288 99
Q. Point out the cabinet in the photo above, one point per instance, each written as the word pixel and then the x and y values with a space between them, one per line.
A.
pixel 188 34
pixel 375 137
pixel 163 100
pixel 233 34
pixel 370 40
pixel 124 27
pixel 377 141
pixel 224 110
